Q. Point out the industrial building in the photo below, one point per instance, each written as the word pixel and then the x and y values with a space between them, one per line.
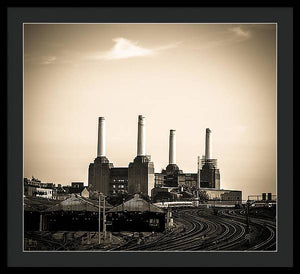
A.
pixel 136 214
pixel 206 179
pixel 138 177
pixel 33 206
pixel 76 213
pixel 208 175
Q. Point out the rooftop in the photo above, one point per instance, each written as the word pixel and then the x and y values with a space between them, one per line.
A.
pixel 136 204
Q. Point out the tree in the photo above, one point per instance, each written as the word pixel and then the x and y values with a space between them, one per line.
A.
pixel 203 196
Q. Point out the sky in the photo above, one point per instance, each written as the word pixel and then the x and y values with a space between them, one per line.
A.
pixel 186 77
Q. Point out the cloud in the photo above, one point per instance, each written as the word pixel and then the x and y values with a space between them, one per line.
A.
pixel 48 60
pixel 228 37
pixel 239 32
pixel 124 49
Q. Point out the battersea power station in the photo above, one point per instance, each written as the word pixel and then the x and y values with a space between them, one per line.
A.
pixel 139 176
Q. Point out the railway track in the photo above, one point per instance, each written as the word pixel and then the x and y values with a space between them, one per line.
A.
pixel 46 240
pixel 196 230
pixel 268 241
pixel 208 232
pixel 201 233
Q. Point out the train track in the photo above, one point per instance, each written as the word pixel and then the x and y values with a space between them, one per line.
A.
pixel 132 244
pixel 196 230
pixel 201 233
pixel 208 232
pixel 268 240
pixel 45 239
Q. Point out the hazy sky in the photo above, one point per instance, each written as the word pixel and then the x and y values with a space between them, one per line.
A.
pixel 179 76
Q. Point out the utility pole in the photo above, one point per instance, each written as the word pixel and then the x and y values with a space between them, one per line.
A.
pixel 99 221
pixel 247 215
pixel 104 219
pixel 248 222
pixel 41 222
pixel 168 217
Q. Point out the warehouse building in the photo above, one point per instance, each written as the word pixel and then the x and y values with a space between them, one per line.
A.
pixel 234 196
pixel 33 207
pixel 73 214
pixel 136 214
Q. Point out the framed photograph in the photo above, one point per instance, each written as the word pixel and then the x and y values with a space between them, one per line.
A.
pixel 150 137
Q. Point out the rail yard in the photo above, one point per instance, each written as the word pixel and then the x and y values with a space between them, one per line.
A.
pixel 194 230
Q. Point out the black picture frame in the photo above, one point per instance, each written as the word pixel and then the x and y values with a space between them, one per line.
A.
pixel 16 16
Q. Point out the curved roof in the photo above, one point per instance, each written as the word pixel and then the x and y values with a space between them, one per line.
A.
pixel 136 204
pixel 37 203
pixel 77 203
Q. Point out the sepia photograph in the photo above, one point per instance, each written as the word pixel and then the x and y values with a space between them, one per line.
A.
pixel 150 137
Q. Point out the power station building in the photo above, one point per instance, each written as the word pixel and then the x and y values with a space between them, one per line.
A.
pixel 206 179
pixel 208 175
pixel 138 177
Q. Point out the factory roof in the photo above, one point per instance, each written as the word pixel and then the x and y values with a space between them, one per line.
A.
pixel 37 203
pixel 77 203
pixel 136 204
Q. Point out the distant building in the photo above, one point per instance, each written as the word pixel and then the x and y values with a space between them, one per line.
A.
pixel 85 193
pixel 43 192
pixel 141 175
pixel 164 194
pixel 118 180
pixel 77 184
pixel 206 179
pixel 208 176
pixel 223 194
pixel 138 177
pixel 62 193
pixel 36 188
pixel 29 190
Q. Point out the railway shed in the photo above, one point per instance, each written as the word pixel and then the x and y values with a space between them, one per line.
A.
pixel 73 214
pixel 33 206
pixel 136 214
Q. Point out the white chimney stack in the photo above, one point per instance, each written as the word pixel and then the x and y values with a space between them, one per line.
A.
pixel 141 142
pixel 208 150
pixel 172 147
pixel 101 138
